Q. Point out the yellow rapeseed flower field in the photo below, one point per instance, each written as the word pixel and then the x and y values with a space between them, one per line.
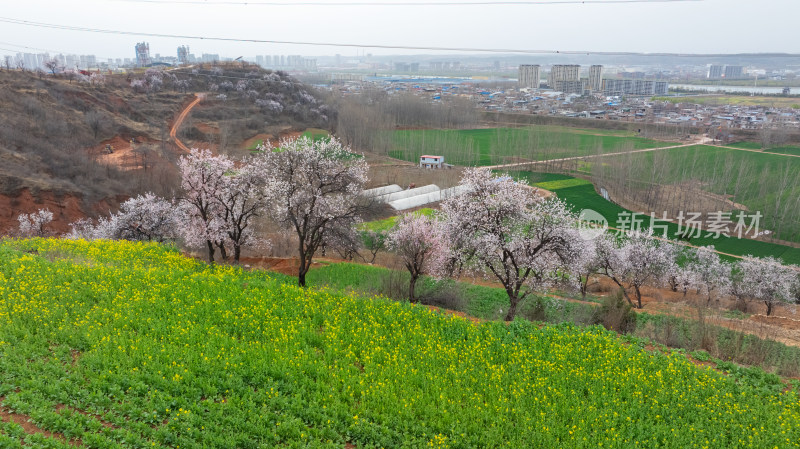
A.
pixel 120 344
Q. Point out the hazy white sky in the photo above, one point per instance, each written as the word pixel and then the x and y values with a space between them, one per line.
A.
pixel 708 26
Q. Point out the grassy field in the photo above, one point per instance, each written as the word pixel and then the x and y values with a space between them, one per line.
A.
pixel 581 194
pixel 760 181
pixel 499 145
pixel 117 344
pixel 739 100
pixel 388 223
pixel 783 149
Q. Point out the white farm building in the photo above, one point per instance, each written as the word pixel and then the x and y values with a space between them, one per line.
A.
pixel 427 161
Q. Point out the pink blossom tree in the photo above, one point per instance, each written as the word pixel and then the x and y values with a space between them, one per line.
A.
pixel 35 224
pixel 501 229
pixel 314 188
pixel 636 260
pixel 240 199
pixel 203 179
pixel 419 242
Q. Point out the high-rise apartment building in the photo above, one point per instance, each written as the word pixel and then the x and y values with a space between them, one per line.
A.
pixel 559 72
pixel 715 72
pixel 529 76
pixel 183 54
pixel 596 78
pixel 566 78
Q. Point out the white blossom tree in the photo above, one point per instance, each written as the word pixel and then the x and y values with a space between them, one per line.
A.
pixel 145 217
pixel 419 242
pixel 587 262
pixel 203 179
pixel 501 229
pixel 764 279
pixel 83 228
pixel 713 273
pixel 34 224
pixel 636 260
pixel 314 188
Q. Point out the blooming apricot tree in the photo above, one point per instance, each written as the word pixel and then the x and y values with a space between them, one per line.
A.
pixel 636 260
pixel 239 200
pixel 419 242
pixel 146 217
pixel 314 188
pixel 766 280
pixel 34 224
pixel 713 273
pixel 586 263
pixel 203 179
pixel 501 229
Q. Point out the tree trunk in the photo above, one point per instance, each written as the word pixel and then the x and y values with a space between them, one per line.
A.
pixel 584 287
pixel 638 297
pixel 210 251
pixel 411 285
pixel 512 309
pixel 222 252
pixel 302 268
pixel 769 307
pixel 624 291
pixel 237 251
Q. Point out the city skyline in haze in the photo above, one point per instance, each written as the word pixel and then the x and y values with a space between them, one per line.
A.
pixel 703 26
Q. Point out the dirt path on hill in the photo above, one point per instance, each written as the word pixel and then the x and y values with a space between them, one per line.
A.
pixel 173 133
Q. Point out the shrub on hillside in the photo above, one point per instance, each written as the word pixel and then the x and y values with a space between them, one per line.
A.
pixel 615 314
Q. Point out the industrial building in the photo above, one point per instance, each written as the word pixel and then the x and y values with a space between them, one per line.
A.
pixel 634 87
pixel 730 72
pixel 715 72
pixel 733 72
pixel 143 54
pixel 529 76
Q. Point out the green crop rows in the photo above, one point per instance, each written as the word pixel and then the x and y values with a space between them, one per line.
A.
pixel 499 145
pixel 583 196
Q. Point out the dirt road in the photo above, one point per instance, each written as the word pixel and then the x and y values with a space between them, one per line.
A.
pixel 592 156
pixel 173 133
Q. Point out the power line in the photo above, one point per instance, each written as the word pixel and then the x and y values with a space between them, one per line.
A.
pixel 381 46
pixel 435 3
